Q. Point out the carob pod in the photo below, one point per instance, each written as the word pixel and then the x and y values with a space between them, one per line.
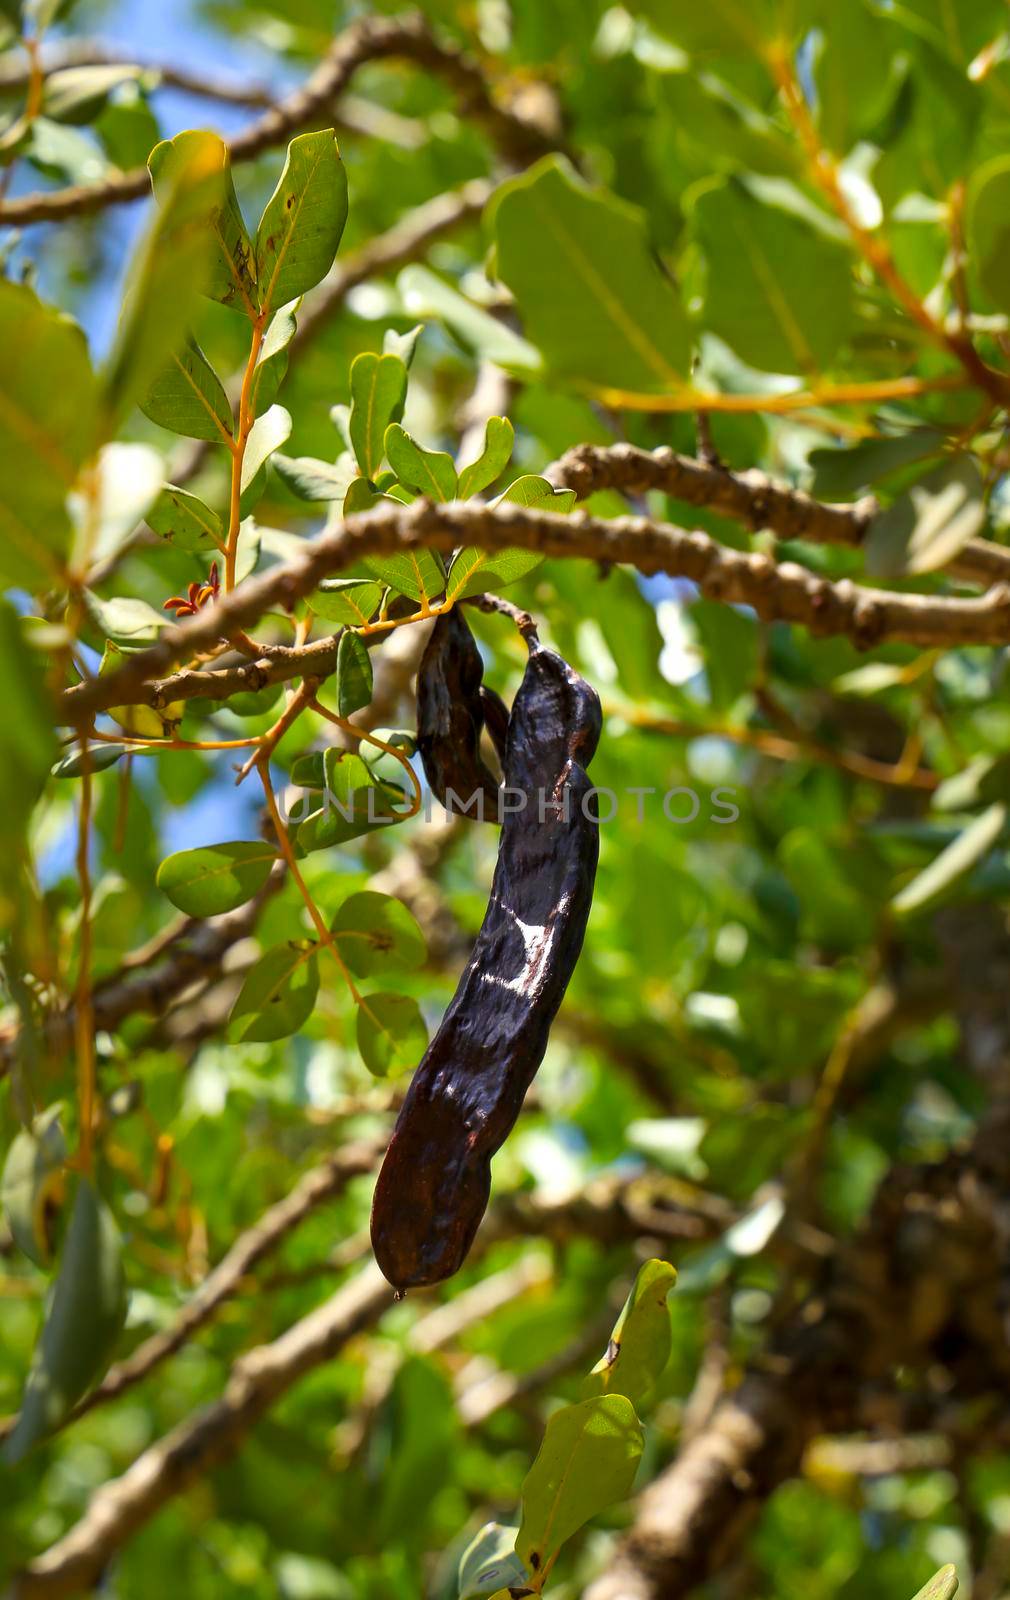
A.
pixel 469 1088
pixel 451 704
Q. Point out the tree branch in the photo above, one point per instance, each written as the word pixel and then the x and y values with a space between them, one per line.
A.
pixel 606 1210
pixel 929 1261
pixel 212 1434
pixel 750 498
pixel 196 951
pixel 408 37
pixel 786 592
pixel 321 1184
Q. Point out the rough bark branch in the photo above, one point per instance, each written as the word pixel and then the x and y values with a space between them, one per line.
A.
pixel 319 1185
pixel 518 138
pixel 751 498
pixel 258 1379
pixel 196 952
pixel 785 592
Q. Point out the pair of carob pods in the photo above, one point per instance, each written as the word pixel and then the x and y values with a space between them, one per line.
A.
pixel 466 1095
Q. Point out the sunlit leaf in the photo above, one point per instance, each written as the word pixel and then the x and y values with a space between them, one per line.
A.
pixel 167 275
pixel 48 424
pixel 302 222
pixel 586 1462
pixel 589 289
pixel 499 437
pixel 277 997
pixel 216 877
pixel 392 1035
pixel 188 397
pixel 639 1346
pixel 352 601
pixel 429 472
pixel 952 864
pixel 378 391
pixel 185 520
pixel 377 933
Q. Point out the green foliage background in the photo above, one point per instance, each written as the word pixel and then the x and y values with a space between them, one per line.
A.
pixel 724 962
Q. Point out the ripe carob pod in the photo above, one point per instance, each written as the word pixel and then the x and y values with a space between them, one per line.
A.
pixel 451 708
pixel 469 1088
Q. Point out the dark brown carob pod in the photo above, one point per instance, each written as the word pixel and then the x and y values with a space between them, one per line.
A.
pixel 450 718
pixel 469 1088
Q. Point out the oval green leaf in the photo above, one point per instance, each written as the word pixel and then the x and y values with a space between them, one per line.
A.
pixel 277 997
pixel 82 1324
pixel 377 933
pixel 392 1035
pixel 216 877
pixel 586 1462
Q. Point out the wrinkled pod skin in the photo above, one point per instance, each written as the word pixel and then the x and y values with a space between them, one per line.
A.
pixel 451 707
pixel 469 1088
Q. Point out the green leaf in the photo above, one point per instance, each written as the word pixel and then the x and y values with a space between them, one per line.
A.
pixel 31 1184
pixel 376 933
pixel 856 77
pixel 499 437
pixel 48 424
pixel 778 292
pixel 950 866
pixel 988 229
pixel 392 1035
pixel 272 362
pixel 27 747
pixel 719 129
pixel 268 433
pixel 429 472
pixel 303 220
pixel 77 94
pixel 168 273
pixel 231 275
pixel 100 758
pixel 277 997
pixel 216 877
pixel 378 391
pixel 352 601
pixel 82 1324
pixel 126 479
pixel 941 1586
pixel 361 496
pixel 183 519
pixel 537 492
pixel 639 1346
pixel 927 526
pixel 592 296
pixel 354 674
pixel 840 473
pixel 473 571
pixel 126 621
pixel 359 803
pixel 419 574
pixel 586 1462
pixel 188 397
pixel 314 480
pixel 725 27
pixel 490 1563
pixel 425 294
